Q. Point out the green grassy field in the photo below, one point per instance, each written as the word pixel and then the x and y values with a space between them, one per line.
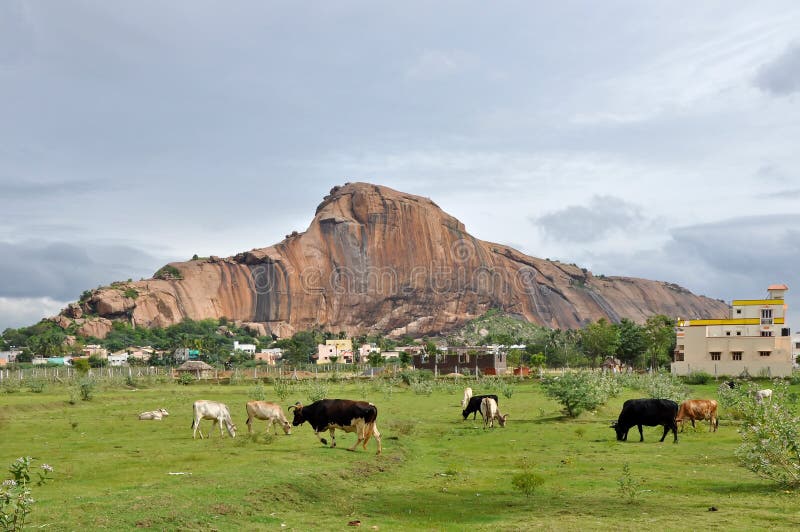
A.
pixel 437 472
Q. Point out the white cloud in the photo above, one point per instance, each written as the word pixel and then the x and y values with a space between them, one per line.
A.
pixel 23 311
pixel 781 76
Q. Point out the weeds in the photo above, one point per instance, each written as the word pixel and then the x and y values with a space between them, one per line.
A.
pixel 526 481
pixel 628 486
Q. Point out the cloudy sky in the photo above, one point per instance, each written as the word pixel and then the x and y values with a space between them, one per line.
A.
pixel 649 139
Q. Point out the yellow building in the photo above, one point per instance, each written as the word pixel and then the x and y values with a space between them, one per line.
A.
pixel 342 349
pixel 753 341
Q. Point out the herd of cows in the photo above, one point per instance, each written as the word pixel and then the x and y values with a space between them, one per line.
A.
pixel 360 416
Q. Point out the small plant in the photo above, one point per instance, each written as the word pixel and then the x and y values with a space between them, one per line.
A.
pixel 186 378
pixel 11 386
pixel 131 293
pixel 697 377
pixel 281 387
pixel 36 385
pixel 16 502
pixel 257 393
pixel 130 381
pixel 526 481
pixel 628 486
pixel 422 387
pixel 580 432
pixel 316 389
pixel 86 389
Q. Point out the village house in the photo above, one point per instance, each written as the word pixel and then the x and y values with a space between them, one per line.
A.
pixel 269 356
pixel 182 354
pixel 488 360
pixel 118 359
pixel 250 349
pixel 342 349
pixel 94 349
pixel 365 350
pixel 752 341
pixel 8 357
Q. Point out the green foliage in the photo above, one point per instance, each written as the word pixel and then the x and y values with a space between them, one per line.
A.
pixel 578 391
pixel 95 361
pixel 697 377
pixel 10 385
pixel 257 393
pixel 16 502
pixel 599 340
pixel 375 359
pixel 36 385
pixel 86 387
pixel 629 487
pixel 632 342
pixel 659 334
pixel 282 388
pixel 496 327
pixel 662 385
pixel 81 365
pixel 316 389
pixel 186 378
pixel 131 293
pixel 168 272
pixel 526 481
pixel 770 436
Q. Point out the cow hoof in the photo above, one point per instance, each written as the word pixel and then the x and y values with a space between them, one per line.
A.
pixel 324 441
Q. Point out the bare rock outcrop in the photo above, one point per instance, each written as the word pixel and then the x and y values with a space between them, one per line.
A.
pixel 375 259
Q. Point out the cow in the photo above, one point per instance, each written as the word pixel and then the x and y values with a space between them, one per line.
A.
pixel 467 396
pixel 350 416
pixel 763 394
pixel 154 414
pixel 270 412
pixel 218 412
pixel 490 412
pixel 474 405
pixel 650 412
pixel 698 409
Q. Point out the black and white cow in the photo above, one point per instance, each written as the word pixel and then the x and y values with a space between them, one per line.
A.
pixel 474 405
pixel 650 412
pixel 344 414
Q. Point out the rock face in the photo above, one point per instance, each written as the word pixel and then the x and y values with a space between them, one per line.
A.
pixel 374 259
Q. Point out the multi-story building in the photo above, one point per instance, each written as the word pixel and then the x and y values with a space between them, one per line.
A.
pixel 753 341
pixel 796 349
pixel 342 349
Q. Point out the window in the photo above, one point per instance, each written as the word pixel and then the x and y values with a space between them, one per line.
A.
pixel 738 333
pixel 715 355
pixel 727 333
pixel 678 356
pixel 736 355
pixel 738 311
pixel 766 312
pixel 766 333
pixel 764 353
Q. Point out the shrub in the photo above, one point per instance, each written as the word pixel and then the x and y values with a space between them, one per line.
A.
pixel 526 481
pixel 316 389
pixel 186 378
pixel 628 486
pixel 11 385
pixel 36 385
pixel 577 391
pixel 281 387
pixel 770 437
pixel 81 365
pixel 257 393
pixel 697 377
pixel 86 389
pixel 662 385
pixel 16 502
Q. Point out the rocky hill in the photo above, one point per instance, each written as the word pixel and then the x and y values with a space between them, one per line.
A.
pixel 375 259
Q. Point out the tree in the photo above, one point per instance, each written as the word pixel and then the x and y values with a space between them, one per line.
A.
pixel 659 333
pixel 375 359
pixel 96 361
pixel 632 342
pixel 334 359
pixel 599 340
pixel 577 391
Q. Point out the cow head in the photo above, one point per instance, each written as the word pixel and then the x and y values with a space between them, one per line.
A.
pixel 299 418
pixel 163 411
pixel 502 419
pixel 619 431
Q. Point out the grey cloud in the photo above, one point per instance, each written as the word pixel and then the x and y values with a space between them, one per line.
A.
pixel 583 224
pixel 62 270
pixel 782 75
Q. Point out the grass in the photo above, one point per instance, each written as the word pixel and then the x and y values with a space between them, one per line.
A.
pixel 437 471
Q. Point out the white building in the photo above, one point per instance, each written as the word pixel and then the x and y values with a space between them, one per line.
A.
pixel 247 348
pixel 118 359
pixel 796 349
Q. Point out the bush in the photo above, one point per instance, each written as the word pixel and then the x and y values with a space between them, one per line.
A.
pixel 281 387
pixel 86 389
pixel 257 393
pixel 186 378
pixel 697 377
pixel 316 389
pixel 16 502
pixel 36 385
pixel 11 385
pixel 577 391
pixel 664 386
pixel 526 480
pixel 770 437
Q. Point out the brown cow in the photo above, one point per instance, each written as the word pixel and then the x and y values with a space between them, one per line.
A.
pixel 698 409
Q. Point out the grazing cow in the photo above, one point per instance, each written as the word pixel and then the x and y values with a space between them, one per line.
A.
pixel 763 394
pixel 350 416
pixel 490 412
pixel 474 405
pixel 270 412
pixel 650 412
pixel 218 412
pixel 467 396
pixel 154 414
pixel 698 409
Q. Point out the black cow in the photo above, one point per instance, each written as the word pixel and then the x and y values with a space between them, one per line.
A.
pixel 474 405
pixel 650 412
pixel 331 414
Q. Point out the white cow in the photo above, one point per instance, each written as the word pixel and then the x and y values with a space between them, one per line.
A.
pixel 763 394
pixel 467 397
pixel 490 412
pixel 154 414
pixel 218 412
pixel 270 412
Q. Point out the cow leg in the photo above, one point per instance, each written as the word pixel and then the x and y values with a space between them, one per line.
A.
pixel 333 438
pixel 249 425
pixel 693 426
pixel 377 438
pixel 666 431
pixel 641 434
pixel 322 440
pixel 197 429
pixel 359 437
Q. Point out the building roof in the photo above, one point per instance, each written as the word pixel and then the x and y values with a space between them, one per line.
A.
pixel 777 287
pixel 194 365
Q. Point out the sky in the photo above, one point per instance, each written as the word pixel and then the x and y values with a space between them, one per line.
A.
pixel 646 139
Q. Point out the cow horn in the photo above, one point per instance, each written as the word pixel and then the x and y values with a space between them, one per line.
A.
pixel 290 408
